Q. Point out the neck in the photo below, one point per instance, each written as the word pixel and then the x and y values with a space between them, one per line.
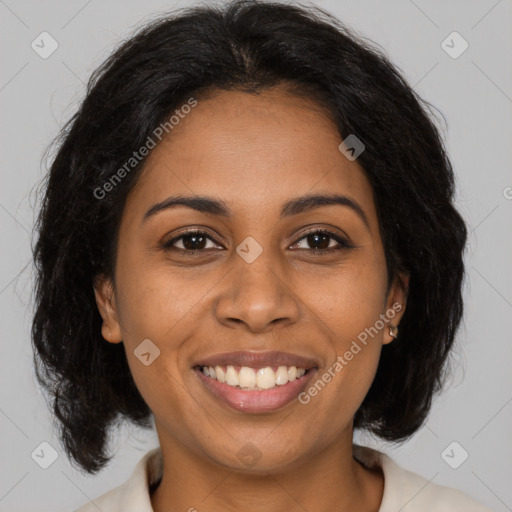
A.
pixel 331 480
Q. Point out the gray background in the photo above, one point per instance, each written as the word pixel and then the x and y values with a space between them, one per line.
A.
pixel 474 93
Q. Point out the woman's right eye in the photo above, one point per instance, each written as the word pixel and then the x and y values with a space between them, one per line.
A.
pixel 192 242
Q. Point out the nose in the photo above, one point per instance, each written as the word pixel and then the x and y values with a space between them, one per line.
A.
pixel 257 296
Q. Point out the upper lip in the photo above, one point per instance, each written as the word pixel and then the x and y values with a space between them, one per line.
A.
pixel 258 359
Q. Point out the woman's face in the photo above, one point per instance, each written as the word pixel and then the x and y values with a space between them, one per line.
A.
pixel 257 283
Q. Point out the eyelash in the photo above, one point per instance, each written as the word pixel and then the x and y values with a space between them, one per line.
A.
pixel 343 244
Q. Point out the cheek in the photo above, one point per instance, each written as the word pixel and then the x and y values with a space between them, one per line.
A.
pixel 349 304
pixel 351 298
pixel 152 302
pixel 338 390
pixel 156 318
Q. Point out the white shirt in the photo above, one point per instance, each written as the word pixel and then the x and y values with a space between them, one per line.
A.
pixel 404 491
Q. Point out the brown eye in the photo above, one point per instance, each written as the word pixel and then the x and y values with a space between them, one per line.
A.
pixel 191 241
pixel 323 241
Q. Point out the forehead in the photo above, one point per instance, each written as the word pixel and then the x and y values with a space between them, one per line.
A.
pixel 253 150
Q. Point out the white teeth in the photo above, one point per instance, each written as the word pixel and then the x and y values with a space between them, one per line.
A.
pixel 232 376
pixel 221 376
pixel 249 379
pixel 265 378
pixel 282 375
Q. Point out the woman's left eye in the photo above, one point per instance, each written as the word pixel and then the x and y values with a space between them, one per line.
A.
pixel 323 239
pixel 194 242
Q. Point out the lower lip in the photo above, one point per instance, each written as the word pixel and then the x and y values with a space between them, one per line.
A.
pixel 265 400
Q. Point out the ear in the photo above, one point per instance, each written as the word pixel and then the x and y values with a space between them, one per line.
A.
pixel 105 300
pixel 395 304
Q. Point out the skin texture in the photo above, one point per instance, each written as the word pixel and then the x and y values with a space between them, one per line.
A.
pixel 254 152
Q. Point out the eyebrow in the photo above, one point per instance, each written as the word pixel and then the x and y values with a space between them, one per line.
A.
pixel 214 206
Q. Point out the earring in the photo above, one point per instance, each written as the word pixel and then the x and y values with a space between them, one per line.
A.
pixel 393 331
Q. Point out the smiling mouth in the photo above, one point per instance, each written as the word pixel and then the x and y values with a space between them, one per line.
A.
pixel 253 379
pixel 255 390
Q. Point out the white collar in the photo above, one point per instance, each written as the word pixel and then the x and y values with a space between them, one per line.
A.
pixel 403 490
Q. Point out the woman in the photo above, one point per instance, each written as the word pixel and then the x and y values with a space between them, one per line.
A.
pixel 248 236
